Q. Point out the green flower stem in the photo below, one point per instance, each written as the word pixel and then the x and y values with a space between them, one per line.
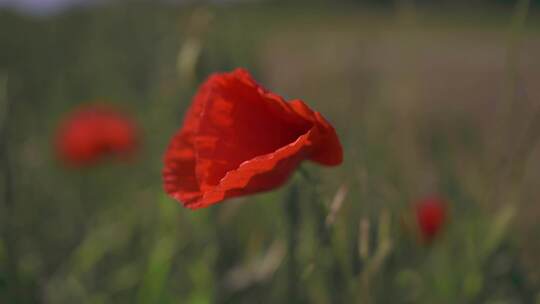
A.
pixel 292 213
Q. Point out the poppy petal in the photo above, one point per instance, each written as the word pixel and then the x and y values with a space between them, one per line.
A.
pixel 240 121
pixel 259 174
pixel 326 148
pixel 179 173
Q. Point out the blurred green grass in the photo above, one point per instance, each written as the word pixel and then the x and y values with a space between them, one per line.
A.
pixel 412 97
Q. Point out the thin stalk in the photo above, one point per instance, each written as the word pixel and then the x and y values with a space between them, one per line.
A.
pixel 515 34
pixel 506 168
pixel 292 213
pixel 521 11
pixel 7 221
pixel 376 262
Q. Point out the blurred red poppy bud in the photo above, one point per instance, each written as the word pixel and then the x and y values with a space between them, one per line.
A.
pixel 431 217
pixel 91 133
pixel 238 139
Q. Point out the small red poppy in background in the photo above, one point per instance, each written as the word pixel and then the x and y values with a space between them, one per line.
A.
pixel 91 133
pixel 238 139
pixel 431 217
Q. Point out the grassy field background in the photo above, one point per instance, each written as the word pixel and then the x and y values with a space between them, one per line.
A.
pixel 426 100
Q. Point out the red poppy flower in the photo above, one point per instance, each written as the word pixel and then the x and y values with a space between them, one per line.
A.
pixel 239 139
pixel 90 133
pixel 431 217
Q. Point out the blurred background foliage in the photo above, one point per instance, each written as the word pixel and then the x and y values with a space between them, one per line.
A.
pixel 429 97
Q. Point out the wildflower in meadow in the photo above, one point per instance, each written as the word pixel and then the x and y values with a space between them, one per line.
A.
pixel 431 217
pixel 91 133
pixel 238 139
